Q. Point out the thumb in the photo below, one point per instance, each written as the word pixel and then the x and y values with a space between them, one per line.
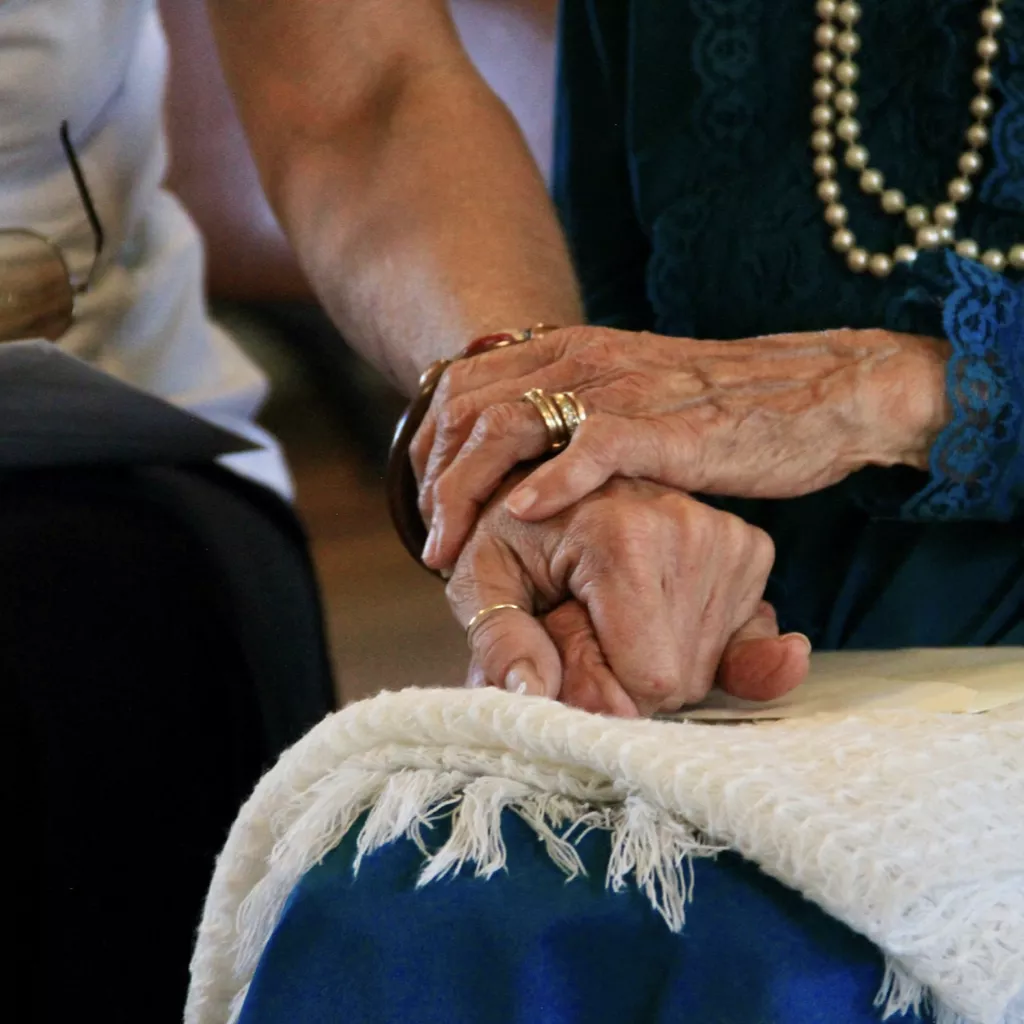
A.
pixel 758 664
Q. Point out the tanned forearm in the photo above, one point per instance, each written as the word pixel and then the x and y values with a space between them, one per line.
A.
pixel 402 181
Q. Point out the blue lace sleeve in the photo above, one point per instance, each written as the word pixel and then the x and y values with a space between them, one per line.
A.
pixel 977 464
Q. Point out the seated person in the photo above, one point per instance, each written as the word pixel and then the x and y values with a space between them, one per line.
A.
pixel 795 415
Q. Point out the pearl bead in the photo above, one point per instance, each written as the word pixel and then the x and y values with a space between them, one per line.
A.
pixel 970 163
pixel 880 265
pixel 977 135
pixel 959 190
pixel 918 216
pixel 825 35
pixel 982 106
pixel 893 201
pixel 945 215
pixel 905 254
pixel 848 129
pixel 1016 257
pixel 836 215
pixel 872 181
pixel 846 101
pixel 857 158
pixel 821 115
pixel 849 12
pixel 857 260
pixel 828 190
pixel 928 237
pixel 993 259
pixel 983 77
pixel 848 42
pixel 822 141
pixel 967 248
pixel 824 62
pixel 824 89
pixel 991 19
pixel 826 8
pixel 824 165
pixel 946 236
pixel 843 240
pixel 988 50
pixel 846 72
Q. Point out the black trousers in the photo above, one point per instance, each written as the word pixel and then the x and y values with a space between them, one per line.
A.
pixel 160 643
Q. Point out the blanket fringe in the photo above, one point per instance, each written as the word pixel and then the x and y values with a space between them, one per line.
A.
pixel 649 848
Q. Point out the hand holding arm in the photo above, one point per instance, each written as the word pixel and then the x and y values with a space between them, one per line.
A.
pixel 772 417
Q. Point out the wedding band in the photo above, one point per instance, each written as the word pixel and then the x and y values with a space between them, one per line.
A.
pixel 485 613
pixel 558 434
pixel 571 410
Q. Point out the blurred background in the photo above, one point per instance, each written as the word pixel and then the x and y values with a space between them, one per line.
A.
pixel 387 620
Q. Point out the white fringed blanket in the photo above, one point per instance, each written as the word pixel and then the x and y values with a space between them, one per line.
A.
pixel 908 827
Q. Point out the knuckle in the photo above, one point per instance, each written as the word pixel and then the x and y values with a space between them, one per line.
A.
pixel 494 422
pixel 659 689
pixel 419 449
pixel 454 418
pixel 764 547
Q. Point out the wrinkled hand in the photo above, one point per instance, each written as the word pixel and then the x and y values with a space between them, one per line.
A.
pixel 774 417
pixel 646 597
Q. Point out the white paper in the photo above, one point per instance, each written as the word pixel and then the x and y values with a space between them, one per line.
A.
pixel 56 410
pixel 965 680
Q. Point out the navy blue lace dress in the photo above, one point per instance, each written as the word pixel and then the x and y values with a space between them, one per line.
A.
pixel 684 180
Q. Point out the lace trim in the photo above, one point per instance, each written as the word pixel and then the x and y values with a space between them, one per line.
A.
pixel 977 464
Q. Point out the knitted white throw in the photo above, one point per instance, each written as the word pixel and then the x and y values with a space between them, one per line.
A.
pixel 908 827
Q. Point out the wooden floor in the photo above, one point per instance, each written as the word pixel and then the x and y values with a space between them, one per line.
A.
pixel 387 619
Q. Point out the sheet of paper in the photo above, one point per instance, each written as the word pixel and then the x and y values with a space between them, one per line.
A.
pixel 957 680
pixel 56 410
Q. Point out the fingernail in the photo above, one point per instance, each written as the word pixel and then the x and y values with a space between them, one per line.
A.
pixel 521 500
pixel 429 549
pixel 803 638
pixel 522 678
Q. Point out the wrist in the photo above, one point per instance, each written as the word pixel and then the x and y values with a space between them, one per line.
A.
pixel 912 406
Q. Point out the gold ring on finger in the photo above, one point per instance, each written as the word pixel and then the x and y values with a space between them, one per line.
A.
pixel 485 613
pixel 558 431
pixel 571 410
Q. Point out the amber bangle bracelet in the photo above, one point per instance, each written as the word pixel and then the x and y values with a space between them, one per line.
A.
pixel 400 480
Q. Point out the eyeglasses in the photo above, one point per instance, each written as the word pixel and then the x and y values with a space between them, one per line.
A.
pixel 37 290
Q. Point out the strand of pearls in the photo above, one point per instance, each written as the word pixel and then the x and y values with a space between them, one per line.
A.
pixel 836 102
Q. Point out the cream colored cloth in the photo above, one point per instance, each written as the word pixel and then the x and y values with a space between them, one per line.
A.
pixel 908 826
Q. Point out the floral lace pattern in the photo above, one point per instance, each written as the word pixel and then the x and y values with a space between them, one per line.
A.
pixel 718 99
pixel 978 462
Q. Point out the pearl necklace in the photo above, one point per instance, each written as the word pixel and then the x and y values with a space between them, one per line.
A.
pixel 832 116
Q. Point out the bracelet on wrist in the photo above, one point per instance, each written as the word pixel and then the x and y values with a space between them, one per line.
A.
pixel 400 480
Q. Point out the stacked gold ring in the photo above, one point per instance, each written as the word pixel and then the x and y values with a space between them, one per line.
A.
pixel 562 413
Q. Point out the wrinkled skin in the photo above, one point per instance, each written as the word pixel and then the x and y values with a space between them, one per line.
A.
pixel 773 417
pixel 646 597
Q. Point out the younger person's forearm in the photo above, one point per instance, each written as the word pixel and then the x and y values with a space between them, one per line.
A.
pixel 430 228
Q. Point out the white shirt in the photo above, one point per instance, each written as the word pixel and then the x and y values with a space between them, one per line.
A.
pixel 101 65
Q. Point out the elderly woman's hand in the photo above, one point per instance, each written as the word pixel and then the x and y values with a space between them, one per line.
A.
pixel 773 417
pixel 647 597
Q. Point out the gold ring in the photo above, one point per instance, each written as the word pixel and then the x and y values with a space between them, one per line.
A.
pixel 571 410
pixel 558 431
pixel 485 613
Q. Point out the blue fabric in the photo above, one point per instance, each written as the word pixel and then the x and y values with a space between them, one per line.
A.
pixel 685 183
pixel 527 947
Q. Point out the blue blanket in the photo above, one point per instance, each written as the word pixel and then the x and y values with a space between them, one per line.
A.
pixel 528 947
